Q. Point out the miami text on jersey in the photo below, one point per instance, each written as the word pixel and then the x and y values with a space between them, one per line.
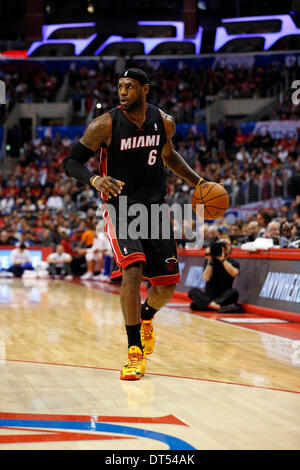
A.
pixel 140 141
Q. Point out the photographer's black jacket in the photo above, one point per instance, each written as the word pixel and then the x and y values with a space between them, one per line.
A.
pixel 220 280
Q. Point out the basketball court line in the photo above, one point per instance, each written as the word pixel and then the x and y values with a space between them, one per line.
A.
pixel 159 375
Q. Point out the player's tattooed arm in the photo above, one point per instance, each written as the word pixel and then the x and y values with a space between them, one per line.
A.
pixel 172 159
pixel 98 132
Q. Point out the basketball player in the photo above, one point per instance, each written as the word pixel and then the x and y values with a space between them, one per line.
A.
pixel 136 144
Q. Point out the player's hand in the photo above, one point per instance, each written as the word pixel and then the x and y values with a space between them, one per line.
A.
pixel 108 185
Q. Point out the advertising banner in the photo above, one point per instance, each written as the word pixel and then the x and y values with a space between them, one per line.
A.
pixel 5 258
pixel 37 254
pixel 277 129
pixel 265 282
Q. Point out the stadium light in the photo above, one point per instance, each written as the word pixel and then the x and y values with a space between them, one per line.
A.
pixel 79 44
pixel 151 43
pixel 288 28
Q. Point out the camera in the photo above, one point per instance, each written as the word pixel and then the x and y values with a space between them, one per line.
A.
pixel 216 249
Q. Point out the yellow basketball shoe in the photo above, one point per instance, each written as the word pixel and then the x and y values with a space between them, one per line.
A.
pixel 147 336
pixel 136 365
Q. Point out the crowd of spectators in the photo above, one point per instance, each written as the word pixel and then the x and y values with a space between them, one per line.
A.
pixel 39 205
pixel 251 167
pixel 286 109
pixel 32 85
pixel 282 226
pixel 184 93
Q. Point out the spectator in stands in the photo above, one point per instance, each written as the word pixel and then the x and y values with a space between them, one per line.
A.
pixel 273 231
pixel 60 264
pixel 55 202
pixel 69 205
pixel 243 155
pixel 263 219
pixel 240 138
pixel 27 238
pixel 252 230
pixel 285 234
pixel 295 240
pixel 20 261
pixel 29 207
pixel 283 213
pixel 88 236
pixel 95 257
pixel 219 273
pixel 212 234
pixel 6 238
pixel 7 204
pixel 66 242
pixel 46 238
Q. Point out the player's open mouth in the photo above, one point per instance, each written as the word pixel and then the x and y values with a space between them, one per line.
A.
pixel 123 101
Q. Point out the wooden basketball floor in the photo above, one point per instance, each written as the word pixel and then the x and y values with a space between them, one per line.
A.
pixel 210 383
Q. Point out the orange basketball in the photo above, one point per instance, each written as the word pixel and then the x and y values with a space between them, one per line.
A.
pixel 214 197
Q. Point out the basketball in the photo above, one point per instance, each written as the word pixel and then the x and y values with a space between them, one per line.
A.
pixel 214 197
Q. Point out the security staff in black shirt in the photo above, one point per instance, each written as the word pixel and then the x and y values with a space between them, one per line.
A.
pixel 219 273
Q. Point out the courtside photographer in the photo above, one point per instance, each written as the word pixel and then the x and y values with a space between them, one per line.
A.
pixel 219 273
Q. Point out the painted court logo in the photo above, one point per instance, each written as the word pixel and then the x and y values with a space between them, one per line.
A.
pixel 50 427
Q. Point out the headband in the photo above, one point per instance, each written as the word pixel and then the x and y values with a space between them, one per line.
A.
pixel 136 74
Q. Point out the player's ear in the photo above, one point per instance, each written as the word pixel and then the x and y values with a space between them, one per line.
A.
pixel 146 88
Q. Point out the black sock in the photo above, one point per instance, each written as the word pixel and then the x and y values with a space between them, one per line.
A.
pixel 134 335
pixel 147 312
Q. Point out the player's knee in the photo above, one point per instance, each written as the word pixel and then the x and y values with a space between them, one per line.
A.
pixel 166 291
pixel 132 274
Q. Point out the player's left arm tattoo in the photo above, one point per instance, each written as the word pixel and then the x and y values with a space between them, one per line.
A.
pixel 172 159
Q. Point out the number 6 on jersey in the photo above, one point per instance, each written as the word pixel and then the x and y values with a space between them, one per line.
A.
pixel 152 157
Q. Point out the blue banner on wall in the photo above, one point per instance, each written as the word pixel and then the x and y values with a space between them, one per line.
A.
pixel 73 132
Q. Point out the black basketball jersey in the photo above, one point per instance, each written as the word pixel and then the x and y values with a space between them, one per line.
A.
pixel 134 156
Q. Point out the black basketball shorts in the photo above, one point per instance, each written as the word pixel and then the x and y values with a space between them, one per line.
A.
pixel 159 254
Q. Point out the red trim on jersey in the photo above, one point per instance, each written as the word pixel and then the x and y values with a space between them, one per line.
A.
pixel 111 234
pixel 116 273
pixel 121 260
pixel 164 280
pixel 103 168
pixel 134 258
